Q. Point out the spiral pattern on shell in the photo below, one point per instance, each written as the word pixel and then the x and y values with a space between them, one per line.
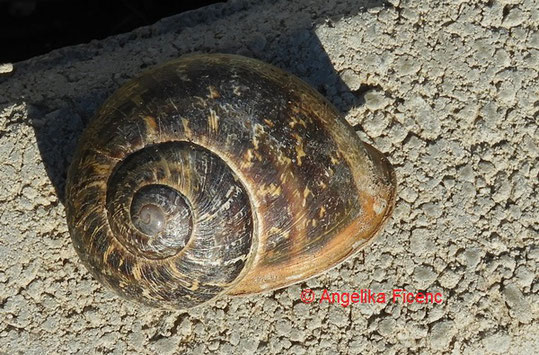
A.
pixel 195 213
pixel 219 173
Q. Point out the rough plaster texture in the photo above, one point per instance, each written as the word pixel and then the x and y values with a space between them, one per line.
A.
pixel 449 90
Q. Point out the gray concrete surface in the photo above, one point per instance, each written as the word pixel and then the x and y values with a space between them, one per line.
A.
pixel 449 90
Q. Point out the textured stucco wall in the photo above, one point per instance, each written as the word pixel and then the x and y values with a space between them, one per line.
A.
pixel 448 90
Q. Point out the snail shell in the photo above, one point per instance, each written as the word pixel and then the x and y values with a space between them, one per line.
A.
pixel 218 174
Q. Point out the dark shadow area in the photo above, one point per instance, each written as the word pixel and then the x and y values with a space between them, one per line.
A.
pixel 33 27
pixel 58 127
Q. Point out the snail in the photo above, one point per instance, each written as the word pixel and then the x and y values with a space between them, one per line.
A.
pixel 219 174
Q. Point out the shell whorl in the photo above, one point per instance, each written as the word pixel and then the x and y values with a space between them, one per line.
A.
pixel 201 242
pixel 219 173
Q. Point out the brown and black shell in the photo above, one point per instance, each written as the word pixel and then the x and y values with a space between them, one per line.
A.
pixel 269 185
